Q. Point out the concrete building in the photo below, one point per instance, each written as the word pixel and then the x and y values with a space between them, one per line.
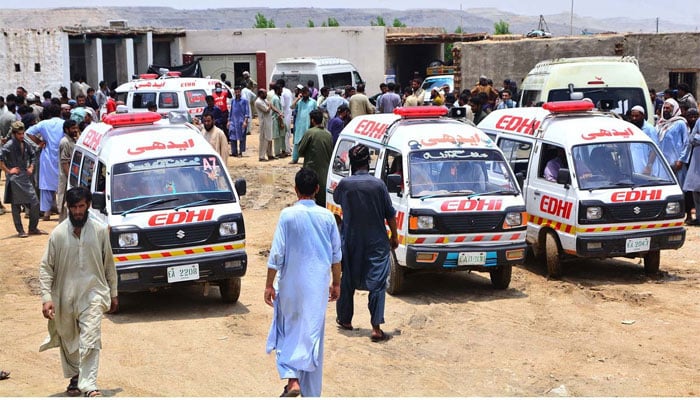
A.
pixel 665 59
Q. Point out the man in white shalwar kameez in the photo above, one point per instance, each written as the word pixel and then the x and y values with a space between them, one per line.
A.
pixel 305 249
pixel 78 283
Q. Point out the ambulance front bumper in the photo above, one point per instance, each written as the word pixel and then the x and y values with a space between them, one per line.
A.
pixel 464 257
pixel 630 244
pixel 139 277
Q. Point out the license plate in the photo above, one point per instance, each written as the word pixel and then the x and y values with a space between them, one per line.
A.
pixel 637 244
pixel 182 273
pixel 475 258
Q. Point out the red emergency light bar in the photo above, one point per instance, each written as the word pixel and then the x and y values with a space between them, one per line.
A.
pixel 598 82
pixel 568 106
pixel 128 119
pixel 148 76
pixel 421 111
pixel 175 74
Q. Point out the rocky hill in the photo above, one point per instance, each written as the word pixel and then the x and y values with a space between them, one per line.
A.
pixel 472 20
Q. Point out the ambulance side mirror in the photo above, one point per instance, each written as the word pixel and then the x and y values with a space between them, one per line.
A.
pixel 564 177
pixel 393 183
pixel 240 186
pixel 99 201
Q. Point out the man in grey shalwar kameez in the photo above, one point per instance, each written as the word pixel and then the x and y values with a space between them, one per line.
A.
pixel 78 282
pixel 366 205
pixel 17 160
pixel 305 250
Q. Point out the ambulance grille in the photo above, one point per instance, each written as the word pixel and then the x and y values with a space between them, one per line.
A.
pixel 469 223
pixel 182 235
pixel 640 211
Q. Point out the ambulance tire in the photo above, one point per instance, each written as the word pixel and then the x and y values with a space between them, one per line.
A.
pixel 651 262
pixel 230 290
pixel 394 283
pixel 500 278
pixel 552 255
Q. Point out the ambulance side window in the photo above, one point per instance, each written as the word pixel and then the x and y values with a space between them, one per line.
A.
pixel 140 99
pixel 75 168
pixel 101 178
pixel 529 98
pixel 552 159
pixel 86 172
pixel 341 162
pixel 373 158
pixel 517 154
pixel 168 100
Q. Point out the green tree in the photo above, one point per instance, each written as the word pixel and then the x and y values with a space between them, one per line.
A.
pixel 398 24
pixel 501 28
pixel 378 22
pixel 310 24
pixel 333 22
pixel 262 22
pixel 448 47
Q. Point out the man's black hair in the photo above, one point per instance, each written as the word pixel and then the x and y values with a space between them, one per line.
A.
pixel 75 194
pixel 68 124
pixel 280 82
pixel 316 116
pixel 306 181
pixel 52 111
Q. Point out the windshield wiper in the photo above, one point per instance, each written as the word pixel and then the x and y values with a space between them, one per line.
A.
pixel 150 203
pixel 495 192
pixel 655 182
pixel 194 203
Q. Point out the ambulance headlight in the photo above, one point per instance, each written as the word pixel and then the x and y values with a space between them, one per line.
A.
pixel 228 229
pixel 420 222
pixel 514 219
pixel 130 239
pixel 673 207
pixel 594 213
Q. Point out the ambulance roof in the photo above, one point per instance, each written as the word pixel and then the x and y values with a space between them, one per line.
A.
pixel 416 133
pixel 566 128
pixel 169 83
pixel 137 142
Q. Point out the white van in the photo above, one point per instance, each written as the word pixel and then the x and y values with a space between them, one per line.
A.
pixel 458 205
pixel 613 83
pixel 436 82
pixel 169 92
pixel 332 72
pixel 614 194
pixel 174 214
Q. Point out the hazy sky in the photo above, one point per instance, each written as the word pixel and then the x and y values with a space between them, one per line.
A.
pixel 686 11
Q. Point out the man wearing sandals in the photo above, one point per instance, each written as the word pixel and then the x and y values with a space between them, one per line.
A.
pixel 366 248
pixel 78 282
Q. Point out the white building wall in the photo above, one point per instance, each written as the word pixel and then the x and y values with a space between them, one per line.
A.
pixel 26 47
pixel 364 46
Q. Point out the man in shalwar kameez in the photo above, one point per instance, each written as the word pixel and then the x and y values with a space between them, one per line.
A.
pixel 672 131
pixel 78 283
pixel 305 250
pixel 304 105
pixel 238 123
pixel 366 205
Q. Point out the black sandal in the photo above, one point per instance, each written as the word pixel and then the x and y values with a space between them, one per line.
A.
pixel 93 393
pixel 72 390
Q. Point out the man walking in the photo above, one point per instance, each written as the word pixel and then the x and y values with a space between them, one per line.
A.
pixel 365 202
pixel 17 160
pixel 78 282
pixel 47 134
pixel 316 147
pixel 215 136
pixel 305 250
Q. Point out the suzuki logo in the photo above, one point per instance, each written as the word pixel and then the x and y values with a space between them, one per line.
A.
pixel 637 210
pixel 181 234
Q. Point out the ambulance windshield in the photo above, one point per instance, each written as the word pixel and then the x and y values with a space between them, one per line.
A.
pixel 439 173
pixel 622 164
pixel 186 179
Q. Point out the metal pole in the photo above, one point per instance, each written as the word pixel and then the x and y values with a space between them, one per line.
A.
pixel 571 21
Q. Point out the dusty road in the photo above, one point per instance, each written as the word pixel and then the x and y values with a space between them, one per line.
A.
pixel 604 330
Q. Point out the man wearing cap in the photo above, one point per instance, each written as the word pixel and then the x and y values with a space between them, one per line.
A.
pixel 366 249
pixel 221 97
pixel 47 134
pixel 17 160
pixel 247 82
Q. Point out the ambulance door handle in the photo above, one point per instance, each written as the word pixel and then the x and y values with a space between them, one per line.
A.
pixel 537 193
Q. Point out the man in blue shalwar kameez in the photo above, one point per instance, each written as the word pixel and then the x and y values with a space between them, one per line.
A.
pixel 366 204
pixel 305 250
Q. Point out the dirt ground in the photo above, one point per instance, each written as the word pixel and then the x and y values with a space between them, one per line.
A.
pixel 605 329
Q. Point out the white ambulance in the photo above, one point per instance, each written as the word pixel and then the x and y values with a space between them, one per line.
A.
pixel 174 214
pixel 457 201
pixel 169 92
pixel 595 185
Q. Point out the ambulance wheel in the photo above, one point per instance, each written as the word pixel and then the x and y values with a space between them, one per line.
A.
pixel 651 262
pixel 552 255
pixel 396 277
pixel 230 290
pixel 500 278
